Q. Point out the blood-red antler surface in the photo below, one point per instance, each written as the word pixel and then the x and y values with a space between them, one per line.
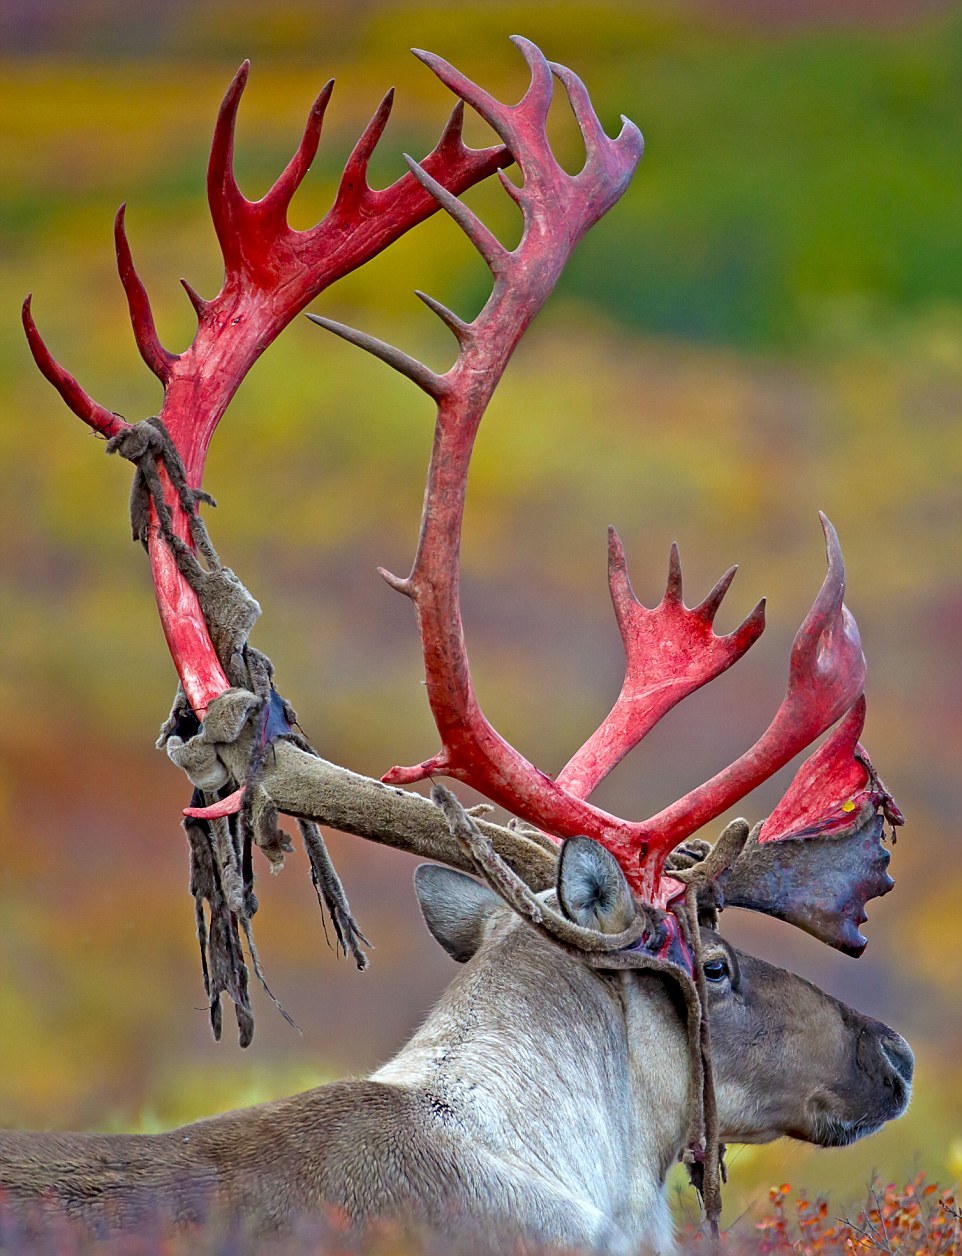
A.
pixel 271 272
pixel 826 678
pixel 671 650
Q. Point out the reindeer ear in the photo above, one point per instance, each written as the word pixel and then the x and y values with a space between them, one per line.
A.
pixel 455 908
pixel 592 890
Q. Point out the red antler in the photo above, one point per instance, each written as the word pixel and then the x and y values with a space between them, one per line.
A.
pixel 271 272
pixel 830 786
pixel 826 678
pixel 558 209
pixel 669 653
pixel 671 650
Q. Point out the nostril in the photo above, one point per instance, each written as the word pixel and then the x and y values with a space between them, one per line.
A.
pixel 899 1055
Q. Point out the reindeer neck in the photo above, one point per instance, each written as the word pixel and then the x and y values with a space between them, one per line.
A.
pixel 580 1078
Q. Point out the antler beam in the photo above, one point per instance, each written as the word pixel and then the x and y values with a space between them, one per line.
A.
pixel 558 209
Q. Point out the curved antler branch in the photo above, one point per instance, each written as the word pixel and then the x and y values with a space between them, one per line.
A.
pixel 670 650
pixel 353 187
pixel 223 195
pixel 271 272
pixel 282 193
pixel 152 351
pixel 104 422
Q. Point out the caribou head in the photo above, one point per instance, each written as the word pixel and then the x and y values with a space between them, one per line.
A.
pixel 630 906
pixel 789 1060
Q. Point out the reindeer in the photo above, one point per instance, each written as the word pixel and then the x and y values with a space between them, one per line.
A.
pixel 601 1028
pixel 543 1099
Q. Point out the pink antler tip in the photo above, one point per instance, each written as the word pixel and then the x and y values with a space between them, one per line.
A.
pixel 228 806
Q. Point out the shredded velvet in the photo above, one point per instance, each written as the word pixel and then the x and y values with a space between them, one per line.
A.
pixel 252 715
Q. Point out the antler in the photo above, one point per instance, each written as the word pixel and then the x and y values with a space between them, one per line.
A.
pixel 669 653
pixel 826 678
pixel 271 272
pixel 558 209
pixel 671 650
pixel 230 726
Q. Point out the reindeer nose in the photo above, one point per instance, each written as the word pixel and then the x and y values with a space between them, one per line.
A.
pixel 899 1054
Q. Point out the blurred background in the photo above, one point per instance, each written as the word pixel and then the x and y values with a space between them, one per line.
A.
pixel 769 323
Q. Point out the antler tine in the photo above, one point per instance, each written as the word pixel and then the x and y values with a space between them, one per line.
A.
pixel 591 129
pixel 457 326
pixel 282 193
pixel 536 101
pixel 354 186
pixel 828 614
pixel 597 142
pixel 410 367
pixel 491 110
pixel 197 301
pixel 103 421
pixel 485 241
pixel 674 587
pixel 452 135
pixel 159 359
pixel 224 197
pixel 670 652
pixel 619 582
pixel 710 604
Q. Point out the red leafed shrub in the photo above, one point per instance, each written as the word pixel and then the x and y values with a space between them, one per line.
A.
pixel 914 1220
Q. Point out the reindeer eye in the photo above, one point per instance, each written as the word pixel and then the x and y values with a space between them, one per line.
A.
pixel 716 970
